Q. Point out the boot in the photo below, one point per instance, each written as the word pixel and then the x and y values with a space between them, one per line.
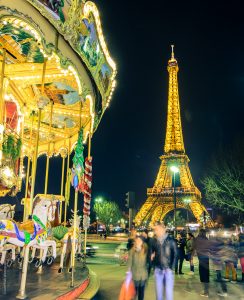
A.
pixel 242 277
pixel 192 268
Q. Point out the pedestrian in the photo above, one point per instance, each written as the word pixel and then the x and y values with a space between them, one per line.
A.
pixel 241 254
pixel 217 254
pixel 163 254
pixel 148 240
pixel 131 239
pixel 190 249
pixel 230 261
pixel 137 265
pixel 202 249
pixel 180 242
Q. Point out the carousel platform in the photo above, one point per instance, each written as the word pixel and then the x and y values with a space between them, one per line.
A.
pixel 50 284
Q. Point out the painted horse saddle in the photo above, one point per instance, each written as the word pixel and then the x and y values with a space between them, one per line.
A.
pixel 27 226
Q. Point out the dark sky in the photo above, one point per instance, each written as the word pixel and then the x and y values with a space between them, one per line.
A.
pixel 209 47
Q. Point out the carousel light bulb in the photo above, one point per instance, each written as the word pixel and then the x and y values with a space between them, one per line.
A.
pixel 1 128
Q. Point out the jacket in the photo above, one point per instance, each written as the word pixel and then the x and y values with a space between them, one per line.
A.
pixel 190 246
pixel 137 264
pixel 180 248
pixel 241 246
pixel 202 247
pixel 165 253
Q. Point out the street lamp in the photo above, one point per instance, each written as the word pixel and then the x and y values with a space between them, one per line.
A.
pixel 175 170
pixel 99 200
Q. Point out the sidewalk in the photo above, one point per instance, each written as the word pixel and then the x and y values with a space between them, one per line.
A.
pixel 186 287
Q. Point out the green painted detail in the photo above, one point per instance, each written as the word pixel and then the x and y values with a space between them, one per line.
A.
pixel 35 218
pixel 27 237
pixel 59 232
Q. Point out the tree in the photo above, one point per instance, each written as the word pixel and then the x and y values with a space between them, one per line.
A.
pixel 224 184
pixel 107 212
pixel 179 219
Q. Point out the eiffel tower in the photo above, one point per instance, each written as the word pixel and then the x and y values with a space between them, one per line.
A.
pixel 168 184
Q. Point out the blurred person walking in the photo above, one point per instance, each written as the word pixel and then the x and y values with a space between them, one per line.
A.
pixel 180 242
pixel 137 265
pixel 230 261
pixel 217 253
pixel 190 249
pixel 202 248
pixel 131 239
pixel 164 255
pixel 148 240
pixel 241 254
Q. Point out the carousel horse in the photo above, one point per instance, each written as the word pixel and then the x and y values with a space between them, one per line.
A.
pixel 32 232
pixel 7 213
pixel 68 240
pixel 50 243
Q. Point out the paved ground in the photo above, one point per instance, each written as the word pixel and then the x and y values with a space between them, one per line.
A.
pixel 46 286
pixel 111 274
pixel 186 287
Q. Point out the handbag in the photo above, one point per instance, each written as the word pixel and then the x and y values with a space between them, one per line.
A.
pixel 128 291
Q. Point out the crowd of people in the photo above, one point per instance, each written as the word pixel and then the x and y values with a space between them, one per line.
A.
pixel 165 254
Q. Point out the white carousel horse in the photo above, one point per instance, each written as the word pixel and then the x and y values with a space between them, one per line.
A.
pixel 44 250
pixel 7 213
pixel 69 238
pixel 32 232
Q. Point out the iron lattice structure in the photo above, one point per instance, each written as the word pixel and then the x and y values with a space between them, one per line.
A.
pixel 160 198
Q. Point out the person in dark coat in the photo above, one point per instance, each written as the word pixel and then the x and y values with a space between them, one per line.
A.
pixel 241 253
pixel 163 253
pixel 217 253
pixel 202 248
pixel 148 240
pixel 180 242
pixel 190 249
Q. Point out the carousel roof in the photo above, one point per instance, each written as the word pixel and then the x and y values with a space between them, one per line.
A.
pixel 56 59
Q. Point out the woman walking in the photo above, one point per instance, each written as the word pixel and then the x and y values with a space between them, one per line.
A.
pixel 190 240
pixel 202 249
pixel 137 264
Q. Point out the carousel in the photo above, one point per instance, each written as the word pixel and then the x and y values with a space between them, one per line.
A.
pixel 57 80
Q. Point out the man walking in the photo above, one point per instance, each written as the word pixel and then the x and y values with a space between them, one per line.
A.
pixel 180 242
pixel 164 255
pixel 203 249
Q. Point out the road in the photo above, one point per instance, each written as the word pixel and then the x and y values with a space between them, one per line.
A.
pixel 187 287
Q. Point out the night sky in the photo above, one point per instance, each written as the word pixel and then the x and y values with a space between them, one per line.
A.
pixel 209 47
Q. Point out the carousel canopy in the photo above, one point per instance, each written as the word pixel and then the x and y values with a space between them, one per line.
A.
pixel 56 60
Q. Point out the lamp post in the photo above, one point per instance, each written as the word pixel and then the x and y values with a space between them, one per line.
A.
pixel 175 170
pixel 97 225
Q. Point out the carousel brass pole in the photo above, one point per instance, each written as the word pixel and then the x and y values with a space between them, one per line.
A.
pixel 75 220
pixel 62 185
pixel 1 86
pixel 48 158
pixel 21 162
pixel 22 292
pixel 2 104
pixel 74 238
pixel 28 173
pixel 67 176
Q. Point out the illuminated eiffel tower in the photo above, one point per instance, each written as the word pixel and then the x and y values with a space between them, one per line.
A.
pixel 160 198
